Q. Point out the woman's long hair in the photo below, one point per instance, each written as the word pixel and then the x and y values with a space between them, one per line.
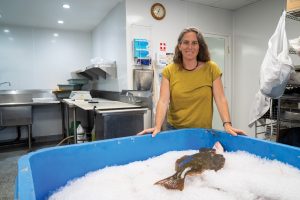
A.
pixel 203 54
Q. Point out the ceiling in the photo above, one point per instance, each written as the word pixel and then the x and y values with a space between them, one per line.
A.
pixel 83 15
pixel 225 4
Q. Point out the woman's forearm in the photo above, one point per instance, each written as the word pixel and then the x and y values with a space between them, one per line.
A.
pixel 162 104
pixel 220 99
pixel 161 111
pixel 223 109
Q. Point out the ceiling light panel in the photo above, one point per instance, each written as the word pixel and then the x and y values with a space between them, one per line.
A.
pixel 66 6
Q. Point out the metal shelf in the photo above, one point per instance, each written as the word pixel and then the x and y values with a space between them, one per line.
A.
pixel 94 71
pixel 294 15
pixel 292 51
pixel 294 121
pixel 290 98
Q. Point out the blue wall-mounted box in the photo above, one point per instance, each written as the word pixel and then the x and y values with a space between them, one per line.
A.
pixel 141 48
pixel 42 172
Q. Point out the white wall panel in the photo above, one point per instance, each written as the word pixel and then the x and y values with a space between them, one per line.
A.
pixel 32 58
pixel 179 15
pixel 109 42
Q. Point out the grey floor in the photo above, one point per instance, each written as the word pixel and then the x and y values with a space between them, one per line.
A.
pixel 8 169
pixel 8 172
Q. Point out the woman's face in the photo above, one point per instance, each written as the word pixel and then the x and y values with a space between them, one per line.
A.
pixel 189 46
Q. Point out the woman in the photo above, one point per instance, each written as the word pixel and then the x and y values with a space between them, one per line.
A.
pixel 189 86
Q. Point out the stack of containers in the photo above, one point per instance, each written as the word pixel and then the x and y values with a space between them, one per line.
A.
pixel 64 90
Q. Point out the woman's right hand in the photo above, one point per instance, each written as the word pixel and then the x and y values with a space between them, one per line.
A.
pixel 153 130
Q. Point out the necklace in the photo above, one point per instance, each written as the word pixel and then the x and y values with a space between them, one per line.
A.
pixel 192 68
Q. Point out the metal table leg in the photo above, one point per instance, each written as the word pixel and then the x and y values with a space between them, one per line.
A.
pixel 63 127
pixel 29 136
pixel 75 129
pixel 278 120
pixel 68 120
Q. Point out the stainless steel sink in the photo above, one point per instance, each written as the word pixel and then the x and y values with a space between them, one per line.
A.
pixel 16 107
pixel 15 98
pixel 15 116
pixel 19 97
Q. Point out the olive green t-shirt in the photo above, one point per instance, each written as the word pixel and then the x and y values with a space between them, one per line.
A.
pixel 191 98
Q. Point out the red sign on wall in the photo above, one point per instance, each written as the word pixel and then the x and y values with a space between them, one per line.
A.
pixel 162 46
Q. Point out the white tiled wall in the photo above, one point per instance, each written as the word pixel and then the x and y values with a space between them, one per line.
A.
pixel 109 42
pixel 32 58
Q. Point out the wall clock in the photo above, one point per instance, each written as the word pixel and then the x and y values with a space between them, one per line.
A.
pixel 158 11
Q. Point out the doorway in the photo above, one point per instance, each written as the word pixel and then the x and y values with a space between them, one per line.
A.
pixel 219 51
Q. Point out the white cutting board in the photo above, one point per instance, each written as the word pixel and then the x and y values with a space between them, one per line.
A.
pixel 103 104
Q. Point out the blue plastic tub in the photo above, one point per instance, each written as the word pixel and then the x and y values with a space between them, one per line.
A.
pixel 40 173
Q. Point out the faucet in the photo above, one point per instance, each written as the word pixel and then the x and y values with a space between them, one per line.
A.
pixel 128 93
pixel 9 84
pixel 130 96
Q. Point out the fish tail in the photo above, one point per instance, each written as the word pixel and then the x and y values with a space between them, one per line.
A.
pixel 218 147
pixel 173 182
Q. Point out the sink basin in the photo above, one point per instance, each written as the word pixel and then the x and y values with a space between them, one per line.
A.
pixel 16 107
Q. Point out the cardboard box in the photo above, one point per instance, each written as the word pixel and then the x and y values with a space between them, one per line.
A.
pixel 292 5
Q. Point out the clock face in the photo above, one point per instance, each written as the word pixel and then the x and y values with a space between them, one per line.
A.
pixel 158 11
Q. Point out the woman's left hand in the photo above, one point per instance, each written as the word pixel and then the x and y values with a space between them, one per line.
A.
pixel 233 131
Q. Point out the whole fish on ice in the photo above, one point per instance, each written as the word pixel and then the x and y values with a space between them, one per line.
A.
pixel 205 159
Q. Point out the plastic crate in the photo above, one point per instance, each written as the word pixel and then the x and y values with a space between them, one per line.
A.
pixel 69 86
pixel 62 94
pixel 42 172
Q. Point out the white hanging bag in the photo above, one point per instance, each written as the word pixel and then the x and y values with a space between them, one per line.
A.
pixel 274 73
pixel 277 64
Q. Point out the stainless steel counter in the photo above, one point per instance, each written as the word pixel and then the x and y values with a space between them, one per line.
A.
pixel 28 104
pixel 16 107
pixel 104 111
